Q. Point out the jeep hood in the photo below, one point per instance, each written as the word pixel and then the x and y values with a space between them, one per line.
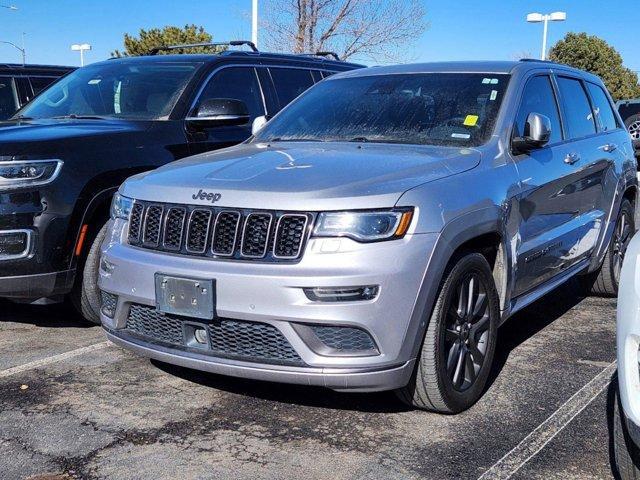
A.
pixel 54 136
pixel 300 176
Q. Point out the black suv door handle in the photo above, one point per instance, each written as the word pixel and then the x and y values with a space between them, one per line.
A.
pixel 610 147
pixel 571 158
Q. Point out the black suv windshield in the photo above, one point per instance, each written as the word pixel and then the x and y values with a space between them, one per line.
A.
pixel 454 109
pixel 138 91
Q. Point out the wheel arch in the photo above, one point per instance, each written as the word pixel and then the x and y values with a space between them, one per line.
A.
pixel 479 231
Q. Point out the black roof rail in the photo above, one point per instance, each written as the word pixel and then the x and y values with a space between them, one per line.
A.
pixel 323 54
pixel 232 43
pixel 537 60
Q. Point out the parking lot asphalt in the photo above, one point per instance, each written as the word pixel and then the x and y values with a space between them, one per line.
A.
pixel 73 406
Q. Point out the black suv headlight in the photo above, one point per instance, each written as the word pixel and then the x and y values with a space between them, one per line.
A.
pixel 364 225
pixel 28 173
pixel 121 207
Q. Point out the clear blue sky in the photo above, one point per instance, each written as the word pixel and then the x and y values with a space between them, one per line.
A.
pixel 458 29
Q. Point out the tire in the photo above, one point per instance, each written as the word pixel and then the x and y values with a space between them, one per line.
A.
pixel 626 453
pixel 86 295
pixel 438 383
pixel 604 282
pixel 633 126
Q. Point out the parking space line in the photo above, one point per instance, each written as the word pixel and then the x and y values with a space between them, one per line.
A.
pixel 53 359
pixel 533 443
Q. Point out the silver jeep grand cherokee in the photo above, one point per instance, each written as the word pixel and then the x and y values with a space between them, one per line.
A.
pixel 375 233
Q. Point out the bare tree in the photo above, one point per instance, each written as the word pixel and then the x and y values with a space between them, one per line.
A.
pixel 377 29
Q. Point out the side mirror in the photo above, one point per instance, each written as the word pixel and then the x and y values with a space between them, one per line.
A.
pixel 258 123
pixel 217 112
pixel 537 133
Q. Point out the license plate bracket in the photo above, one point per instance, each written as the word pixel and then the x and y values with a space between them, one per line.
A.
pixel 188 297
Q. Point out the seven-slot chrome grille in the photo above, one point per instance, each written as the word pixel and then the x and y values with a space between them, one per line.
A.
pixel 219 232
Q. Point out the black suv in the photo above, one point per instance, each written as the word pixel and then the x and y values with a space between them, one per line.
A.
pixel 65 153
pixel 630 112
pixel 20 83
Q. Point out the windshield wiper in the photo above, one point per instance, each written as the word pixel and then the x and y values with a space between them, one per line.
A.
pixel 360 139
pixel 295 139
pixel 73 116
pixel 21 117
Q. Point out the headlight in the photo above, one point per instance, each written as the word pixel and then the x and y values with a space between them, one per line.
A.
pixel 28 173
pixel 364 226
pixel 121 207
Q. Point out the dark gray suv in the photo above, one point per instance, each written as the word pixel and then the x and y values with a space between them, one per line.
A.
pixel 376 232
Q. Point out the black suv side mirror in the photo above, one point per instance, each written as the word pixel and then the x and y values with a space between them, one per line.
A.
pixel 537 132
pixel 217 112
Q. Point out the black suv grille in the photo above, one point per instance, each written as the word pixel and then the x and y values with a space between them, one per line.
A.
pixel 237 339
pixel 220 232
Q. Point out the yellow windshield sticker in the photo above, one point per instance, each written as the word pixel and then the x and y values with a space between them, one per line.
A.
pixel 470 121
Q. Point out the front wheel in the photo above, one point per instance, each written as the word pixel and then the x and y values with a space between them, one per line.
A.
pixel 86 295
pixel 626 453
pixel 457 352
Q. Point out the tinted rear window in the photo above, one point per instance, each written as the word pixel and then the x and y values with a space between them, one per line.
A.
pixel 578 114
pixel 290 82
pixel 604 112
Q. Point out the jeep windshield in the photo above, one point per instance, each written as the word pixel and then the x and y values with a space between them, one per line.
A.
pixel 451 109
pixel 135 91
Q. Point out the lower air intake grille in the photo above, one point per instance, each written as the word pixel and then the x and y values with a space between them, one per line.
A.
pixel 344 338
pixel 236 339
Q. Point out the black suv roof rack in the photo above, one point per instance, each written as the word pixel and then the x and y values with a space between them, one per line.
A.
pixel 322 54
pixel 232 43
pixel 538 60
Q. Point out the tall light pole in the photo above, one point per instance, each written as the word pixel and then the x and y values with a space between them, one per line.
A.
pixel 539 17
pixel 81 47
pixel 22 50
pixel 254 22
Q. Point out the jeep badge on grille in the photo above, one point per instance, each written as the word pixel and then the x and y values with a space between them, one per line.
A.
pixel 202 195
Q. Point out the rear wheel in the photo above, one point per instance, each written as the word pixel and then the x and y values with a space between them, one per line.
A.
pixel 459 344
pixel 605 281
pixel 86 295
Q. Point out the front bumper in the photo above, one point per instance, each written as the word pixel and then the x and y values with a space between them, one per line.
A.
pixel 272 293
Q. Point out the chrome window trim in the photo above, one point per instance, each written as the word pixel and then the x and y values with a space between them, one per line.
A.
pixel 26 252
pixel 206 235
pixel 49 180
pixel 144 224
pixel 255 66
pixel 235 235
pixel 244 230
pixel 304 234
pixel 164 228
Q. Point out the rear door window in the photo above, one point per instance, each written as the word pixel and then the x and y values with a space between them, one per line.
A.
pixel 290 82
pixel 604 112
pixel 578 114
pixel 40 83
pixel 8 97
pixel 238 83
pixel 539 97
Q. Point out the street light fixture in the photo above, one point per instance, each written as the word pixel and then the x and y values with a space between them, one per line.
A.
pixel 9 7
pixel 539 17
pixel 81 47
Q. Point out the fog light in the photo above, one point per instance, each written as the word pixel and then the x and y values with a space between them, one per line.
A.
pixel 109 304
pixel 342 294
pixel 201 336
pixel 14 244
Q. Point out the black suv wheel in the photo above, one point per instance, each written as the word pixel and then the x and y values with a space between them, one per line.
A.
pixel 459 344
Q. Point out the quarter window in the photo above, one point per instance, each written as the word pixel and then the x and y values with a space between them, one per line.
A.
pixel 538 97
pixel 604 113
pixel 578 113
pixel 290 82
pixel 238 83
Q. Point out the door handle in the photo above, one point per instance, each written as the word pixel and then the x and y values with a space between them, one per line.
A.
pixel 571 158
pixel 610 147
